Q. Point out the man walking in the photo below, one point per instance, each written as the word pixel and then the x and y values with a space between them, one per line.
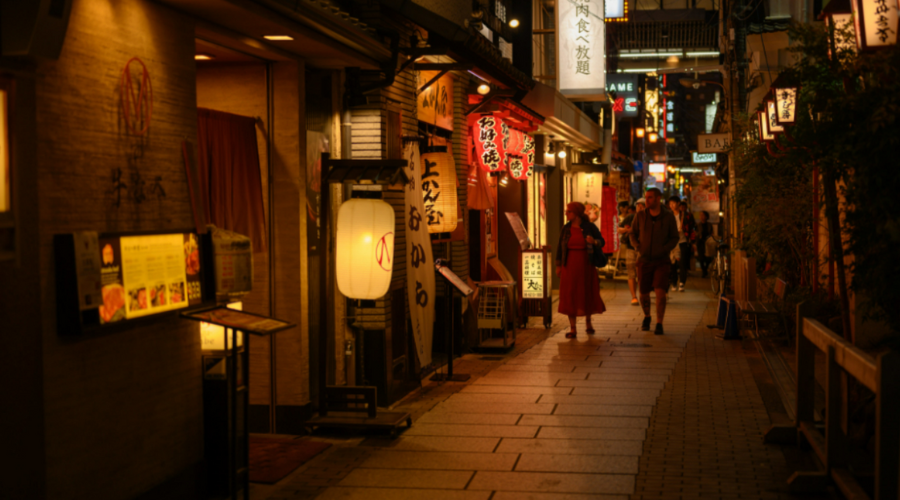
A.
pixel 630 253
pixel 654 234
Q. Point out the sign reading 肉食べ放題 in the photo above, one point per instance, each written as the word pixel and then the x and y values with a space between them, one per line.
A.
pixel 533 275
pixel 582 45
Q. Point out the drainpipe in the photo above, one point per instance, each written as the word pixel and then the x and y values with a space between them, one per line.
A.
pixel 607 133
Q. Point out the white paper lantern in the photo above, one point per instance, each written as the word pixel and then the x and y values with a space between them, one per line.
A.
pixel 364 248
pixel 439 192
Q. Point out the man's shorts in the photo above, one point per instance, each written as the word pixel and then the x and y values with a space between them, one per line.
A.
pixel 630 260
pixel 654 274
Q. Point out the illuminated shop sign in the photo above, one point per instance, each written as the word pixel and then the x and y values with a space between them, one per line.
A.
pixel 699 158
pixel 625 88
pixel 582 46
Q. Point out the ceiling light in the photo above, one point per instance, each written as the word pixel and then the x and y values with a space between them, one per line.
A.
pixel 484 88
pixel 562 154
pixel 648 55
pixel 514 23
pixel 638 70
pixel 639 132
pixel 204 57
pixel 672 59
pixel 653 137
pixel 703 54
pixel 279 38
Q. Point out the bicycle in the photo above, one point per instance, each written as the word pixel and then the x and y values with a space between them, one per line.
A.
pixel 719 273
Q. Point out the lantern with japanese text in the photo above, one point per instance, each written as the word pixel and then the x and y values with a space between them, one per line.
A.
pixel 786 104
pixel 490 135
pixel 516 157
pixel 364 248
pixel 439 192
pixel 529 153
pixel 771 116
pixel 838 16
pixel 765 135
pixel 876 23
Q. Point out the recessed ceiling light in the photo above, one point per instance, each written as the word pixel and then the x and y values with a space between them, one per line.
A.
pixel 484 88
pixel 204 57
pixel 514 23
pixel 279 38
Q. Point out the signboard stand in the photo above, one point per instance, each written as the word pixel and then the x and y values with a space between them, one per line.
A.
pixel 542 304
pixel 226 401
pixel 458 284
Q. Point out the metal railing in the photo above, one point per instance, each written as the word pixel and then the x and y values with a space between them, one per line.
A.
pixel 830 442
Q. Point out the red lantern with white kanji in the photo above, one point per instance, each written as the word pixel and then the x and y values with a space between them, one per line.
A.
pixel 516 157
pixel 489 134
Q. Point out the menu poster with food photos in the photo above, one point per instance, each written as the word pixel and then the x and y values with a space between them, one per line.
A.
pixel 145 275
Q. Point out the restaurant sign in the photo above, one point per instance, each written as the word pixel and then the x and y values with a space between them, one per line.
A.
pixel 699 158
pixel 435 104
pixel 582 47
pixel 533 272
pixel 713 143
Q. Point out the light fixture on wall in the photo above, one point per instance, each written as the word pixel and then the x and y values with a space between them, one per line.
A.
pixel 653 137
pixel 484 88
pixel 513 23
pixel 204 57
pixel 278 38
pixel 639 132
pixel 504 180
pixel 562 153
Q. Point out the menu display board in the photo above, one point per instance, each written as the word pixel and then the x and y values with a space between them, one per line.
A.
pixel 533 270
pixel 145 275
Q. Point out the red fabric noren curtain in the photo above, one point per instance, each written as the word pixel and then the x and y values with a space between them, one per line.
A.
pixel 230 175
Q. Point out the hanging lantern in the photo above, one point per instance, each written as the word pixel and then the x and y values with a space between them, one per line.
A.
pixel 489 139
pixel 763 122
pixel 528 150
pixel 516 156
pixel 876 23
pixel 786 104
pixel 364 248
pixel 439 191
pixel 838 16
pixel 771 116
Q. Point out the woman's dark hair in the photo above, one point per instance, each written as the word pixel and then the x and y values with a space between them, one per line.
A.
pixel 704 212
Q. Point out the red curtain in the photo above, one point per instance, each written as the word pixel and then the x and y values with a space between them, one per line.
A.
pixel 230 175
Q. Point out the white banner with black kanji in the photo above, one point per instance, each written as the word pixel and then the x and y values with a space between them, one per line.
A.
pixel 419 259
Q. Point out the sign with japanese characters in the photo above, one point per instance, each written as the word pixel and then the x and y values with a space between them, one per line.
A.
pixel 876 23
pixel 533 271
pixel 772 115
pixel 419 259
pixel 435 104
pixel 517 156
pixel 491 136
pixel 588 190
pixel 439 192
pixel 582 47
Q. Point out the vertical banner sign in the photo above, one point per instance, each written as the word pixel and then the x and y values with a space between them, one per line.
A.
pixel 489 139
pixel 533 275
pixel 582 45
pixel 705 196
pixel 610 220
pixel 419 259
pixel 587 190
pixel 529 153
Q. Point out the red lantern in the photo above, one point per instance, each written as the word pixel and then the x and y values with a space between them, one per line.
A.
pixel 516 157
pixel 490 133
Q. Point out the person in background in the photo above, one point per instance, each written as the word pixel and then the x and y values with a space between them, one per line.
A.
pixel 630 258
pixel 579 287
pixel 689 228
pixel 654 233
pixel 622 207
pixel 704 231
pixel 675 255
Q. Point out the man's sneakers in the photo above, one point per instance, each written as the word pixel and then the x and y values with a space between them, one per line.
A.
pixel 635 302
pixel 645 326
pixel 681 287
pixel 659 328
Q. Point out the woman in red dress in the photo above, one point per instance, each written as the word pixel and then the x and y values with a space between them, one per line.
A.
pixel 579 287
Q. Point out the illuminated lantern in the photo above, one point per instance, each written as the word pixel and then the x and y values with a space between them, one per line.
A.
pixel 838 15
pixel 364 248
pixel 771 116
pixel 516 156
pixel 876 23
pixel 639 132
pixel 439 191
pixel 786 104
pixel 490 135
pixel 762 120
pixel 528 150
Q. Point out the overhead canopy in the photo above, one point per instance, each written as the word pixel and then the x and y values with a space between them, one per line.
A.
pixel 563 119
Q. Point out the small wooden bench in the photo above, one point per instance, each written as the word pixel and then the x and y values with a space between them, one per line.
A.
pixel 753 309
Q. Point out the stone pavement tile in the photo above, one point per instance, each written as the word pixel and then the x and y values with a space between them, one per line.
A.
pixel 544 362
pixel 570 446
pixel 392 459
pixel 633 377
pixel 531 381
pixel 588 464
pixel 623 369
pixel 347 493
pixel 604 382
pixel 461 397
pixel 530 368
pixel 618 399
pixel 469 430
pixel 443 417
pixel 647 353
pixel 604 410
pixel 396 478
pixel 470 407
pixel 581 421
pixel 590 433
pixel 505 389
pixel 550 356
pixel 442 443
pixel 528 495
pixel 535 374
pixel 613 391
pixel 553 482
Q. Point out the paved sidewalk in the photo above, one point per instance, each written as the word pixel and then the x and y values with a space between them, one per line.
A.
pixel 563 419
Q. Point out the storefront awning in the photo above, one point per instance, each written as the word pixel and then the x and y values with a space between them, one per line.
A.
pixel 563 119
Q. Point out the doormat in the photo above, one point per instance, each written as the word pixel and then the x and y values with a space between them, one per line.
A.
pixel 271 459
